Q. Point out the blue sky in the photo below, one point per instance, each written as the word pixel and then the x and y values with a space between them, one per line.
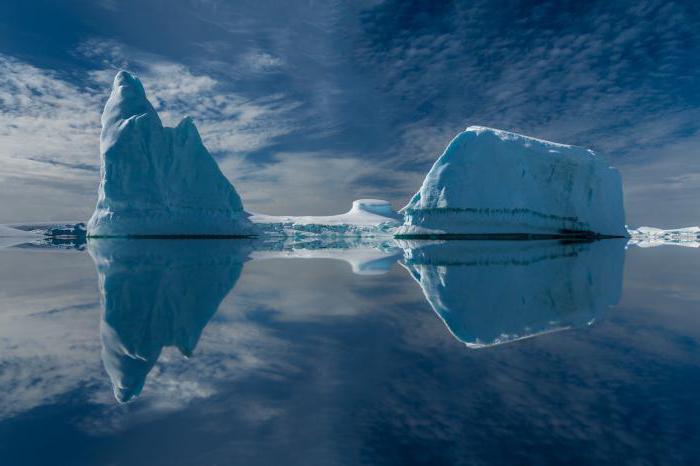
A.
pixel 308 105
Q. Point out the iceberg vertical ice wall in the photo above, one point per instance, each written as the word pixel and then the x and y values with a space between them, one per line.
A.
pixel 494 182
pixel 158 181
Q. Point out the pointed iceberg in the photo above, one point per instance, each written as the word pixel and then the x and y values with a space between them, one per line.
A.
pixel 159 181
pixel 492 182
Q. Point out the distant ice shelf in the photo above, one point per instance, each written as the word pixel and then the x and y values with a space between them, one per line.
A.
pixel 647 237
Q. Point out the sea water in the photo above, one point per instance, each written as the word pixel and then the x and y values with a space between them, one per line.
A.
pixel 236 352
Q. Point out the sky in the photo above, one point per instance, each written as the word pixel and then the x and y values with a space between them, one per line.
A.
pixel 307 105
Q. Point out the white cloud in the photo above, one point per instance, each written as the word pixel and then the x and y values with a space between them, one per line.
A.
pixel 259 61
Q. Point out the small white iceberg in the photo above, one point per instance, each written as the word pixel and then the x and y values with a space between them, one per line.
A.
pixel 492 182
pixel 159 181
pixel 366 217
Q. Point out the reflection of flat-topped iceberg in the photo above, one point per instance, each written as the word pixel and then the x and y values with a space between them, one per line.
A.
pixel 159 181
pixel 158 293
pixel 492 182
pixel 493 292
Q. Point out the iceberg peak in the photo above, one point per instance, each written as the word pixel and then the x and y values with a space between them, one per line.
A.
pixel 127 99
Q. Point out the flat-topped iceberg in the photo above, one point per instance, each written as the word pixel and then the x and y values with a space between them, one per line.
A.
pixel 492 182
pixel 159 181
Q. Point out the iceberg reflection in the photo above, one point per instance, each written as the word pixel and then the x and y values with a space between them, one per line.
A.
pixel 162 293
pixel 158 293
pixel 494 292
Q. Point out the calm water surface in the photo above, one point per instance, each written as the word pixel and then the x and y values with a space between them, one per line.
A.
pixel 229 352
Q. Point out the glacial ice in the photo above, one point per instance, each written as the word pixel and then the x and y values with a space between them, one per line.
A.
pixel 159 181
pixel 493 292
pixel 489 181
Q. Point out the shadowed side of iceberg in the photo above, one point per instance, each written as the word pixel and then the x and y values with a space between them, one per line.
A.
pixel 158 293
pixel 159 181
pixel 493 292
pixel 490 182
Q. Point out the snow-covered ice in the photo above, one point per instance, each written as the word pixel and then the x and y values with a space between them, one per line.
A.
pixel 366 217
pixel 159 181
pixel 489 181
pixel 494 292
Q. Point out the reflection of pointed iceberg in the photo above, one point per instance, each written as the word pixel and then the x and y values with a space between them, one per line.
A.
pixel 158 293
pixel 493 292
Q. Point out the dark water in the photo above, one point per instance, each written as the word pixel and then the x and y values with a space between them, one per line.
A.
pixel 226 352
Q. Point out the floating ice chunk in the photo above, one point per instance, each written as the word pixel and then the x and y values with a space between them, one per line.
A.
pixel 494 292
pixel 494 182
pixel 158 181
